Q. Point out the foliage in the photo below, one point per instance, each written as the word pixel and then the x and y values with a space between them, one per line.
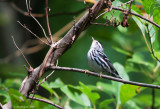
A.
pixel 129 49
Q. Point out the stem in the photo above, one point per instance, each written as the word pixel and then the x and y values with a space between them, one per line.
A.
pixel 153 98
pixel 47 21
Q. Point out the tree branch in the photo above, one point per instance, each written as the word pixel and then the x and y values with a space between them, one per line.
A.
pixel 46 101
pixel 104 76
pixel 120 9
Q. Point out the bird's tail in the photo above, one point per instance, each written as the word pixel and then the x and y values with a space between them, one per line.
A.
pixel 115 74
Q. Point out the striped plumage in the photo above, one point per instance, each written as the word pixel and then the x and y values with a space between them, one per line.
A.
pixel 98 61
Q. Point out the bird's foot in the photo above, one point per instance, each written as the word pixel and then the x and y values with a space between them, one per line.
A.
pixel 86 71
pixel 100 75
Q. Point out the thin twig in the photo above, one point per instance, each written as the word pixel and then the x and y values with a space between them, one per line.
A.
pixel 47 21
pixel 104 76
pixel 28 5
pixel 46 101
pixel 101 14
pixel 32 33
pixel 21 52
pixel 41 28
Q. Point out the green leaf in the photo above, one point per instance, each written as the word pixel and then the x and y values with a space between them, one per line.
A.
pixel 149 6
pixel 104 104
pixel 131 105
pixel 135 9
pixel 140 25
pixel 4 96
pixel 154 39
pixel 88 91
pixel 117 85
pixel 116 3
pixel 14 83
pixel 57 83
pixel 76 96
pixel 157 54
pixel 122 51
pixel 106 87
pixel 122 29
pixel 47 86
pixel 18 100
pixel 121 71
pixel 127 92
pixel 138 58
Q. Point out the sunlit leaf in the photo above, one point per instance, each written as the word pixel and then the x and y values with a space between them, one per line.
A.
pixel 93 96
pixel 157 54
pixel 149 6
pixel 135 9
pixel 76 96
pixel 127 92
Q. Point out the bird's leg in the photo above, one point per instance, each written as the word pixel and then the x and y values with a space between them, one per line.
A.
pixel 100 75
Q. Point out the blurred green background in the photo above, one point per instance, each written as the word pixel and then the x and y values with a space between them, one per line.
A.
pixel 125 47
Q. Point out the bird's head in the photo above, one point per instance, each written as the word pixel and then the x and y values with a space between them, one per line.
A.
pixel 96 45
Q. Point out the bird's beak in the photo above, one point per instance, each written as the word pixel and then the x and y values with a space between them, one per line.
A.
pixel 92 38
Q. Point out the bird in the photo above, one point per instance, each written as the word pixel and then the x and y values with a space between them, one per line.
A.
pixel 99 61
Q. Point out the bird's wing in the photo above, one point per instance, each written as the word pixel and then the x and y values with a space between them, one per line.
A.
pixel 112 69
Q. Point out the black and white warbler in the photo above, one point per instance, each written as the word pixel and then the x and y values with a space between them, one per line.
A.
pixel 98 61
